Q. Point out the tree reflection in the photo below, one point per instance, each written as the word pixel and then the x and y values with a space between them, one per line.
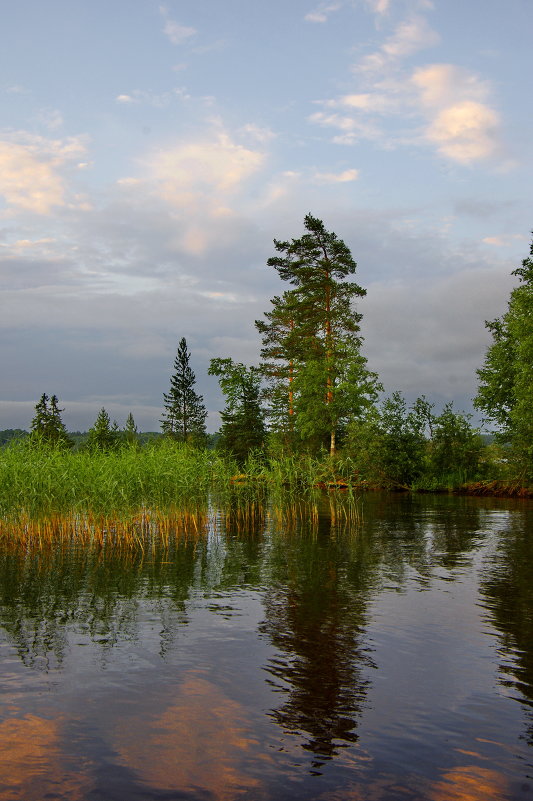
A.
pixel 507 588
pixel 46 593
pixel 315 617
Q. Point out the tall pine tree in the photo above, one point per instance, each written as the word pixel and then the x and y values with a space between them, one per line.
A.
pixel 185 414
pixel 318 344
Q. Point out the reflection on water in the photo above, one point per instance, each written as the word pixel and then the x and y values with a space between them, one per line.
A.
pixel 378 662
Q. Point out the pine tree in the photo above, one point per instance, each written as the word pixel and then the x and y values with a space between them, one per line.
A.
pixel 320 340
pixel 280 363
pixel 104 435
pixel 243 428
pixel 47 427
pixel 130 434
pixel 185 414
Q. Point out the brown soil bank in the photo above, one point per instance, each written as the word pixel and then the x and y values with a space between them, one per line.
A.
pixel 498 489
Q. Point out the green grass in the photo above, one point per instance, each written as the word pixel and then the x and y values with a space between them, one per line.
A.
pixel 162 487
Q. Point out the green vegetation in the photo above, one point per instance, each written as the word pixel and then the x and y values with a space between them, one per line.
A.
pixel 506 379
pixel 318 379
pixel 401 446
pixel 305 420
pixel 47 427
pixel 185 414
pixel 243 427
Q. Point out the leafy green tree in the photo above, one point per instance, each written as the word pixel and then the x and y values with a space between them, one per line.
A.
pixel 505 391
pixel 185 414
pixel 47 427
pixel 243 427
pixel 104 435
pixel 404 442
pixel 455 446
pixel 313 333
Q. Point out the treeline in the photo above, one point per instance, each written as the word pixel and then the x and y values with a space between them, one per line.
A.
pixel 313 393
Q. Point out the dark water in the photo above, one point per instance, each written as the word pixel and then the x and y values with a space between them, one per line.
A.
pixel 390 661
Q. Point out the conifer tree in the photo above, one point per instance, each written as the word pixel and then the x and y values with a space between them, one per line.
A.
pixel 319 340
pixel 130 433
pixel 47 427
pixel 185 414
pixel 243 428
pixel 103 435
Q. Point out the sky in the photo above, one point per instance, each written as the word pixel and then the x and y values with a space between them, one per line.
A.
pixel 150 153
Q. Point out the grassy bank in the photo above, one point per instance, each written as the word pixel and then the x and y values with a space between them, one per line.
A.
pixel 160 488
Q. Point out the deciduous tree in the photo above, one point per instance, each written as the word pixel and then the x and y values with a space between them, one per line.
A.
pixel 505 391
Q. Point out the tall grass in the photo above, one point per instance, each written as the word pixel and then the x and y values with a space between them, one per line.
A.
pixel 160 489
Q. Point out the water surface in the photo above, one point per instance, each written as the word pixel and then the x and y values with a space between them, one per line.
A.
pixel 391 660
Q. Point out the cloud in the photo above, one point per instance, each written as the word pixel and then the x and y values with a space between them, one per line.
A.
pixel 409 37
pixel 208 170
pixel 31 170
pixel 51 118
pixel 465 132
pixel 337 178
pixel 441 85
pixel 126 99
pixel 504 241
pixel 322 12
pixel 379 6
pixel 173 30
pixel 441 105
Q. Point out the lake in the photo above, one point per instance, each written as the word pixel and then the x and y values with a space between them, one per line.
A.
pixel 392 659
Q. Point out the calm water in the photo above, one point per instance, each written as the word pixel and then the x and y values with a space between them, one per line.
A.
pixel 392 661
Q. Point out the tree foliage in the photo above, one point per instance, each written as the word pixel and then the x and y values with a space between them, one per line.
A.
pixel 243 427
pixel 505 391
pixel 103 435
pixel 311 341
pixel 47 427
pixel 185 414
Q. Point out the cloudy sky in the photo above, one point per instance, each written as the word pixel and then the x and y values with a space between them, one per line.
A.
pixel 150 153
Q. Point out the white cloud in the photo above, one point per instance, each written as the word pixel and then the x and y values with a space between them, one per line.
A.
pixel 173 30
pixel 465 132
pixel 441 85
pixel 217 165
pixel 378 6
pixel 409 37
pixel 441 105
pixel 322 12
pixel 126 99
pixel 30 170
pixel 504 241
pixel 337 178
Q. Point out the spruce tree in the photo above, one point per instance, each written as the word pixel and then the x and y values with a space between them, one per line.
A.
pixel 185 414
pixel 103 435
pixel 130 434
pixel 47 427
pixel 319 344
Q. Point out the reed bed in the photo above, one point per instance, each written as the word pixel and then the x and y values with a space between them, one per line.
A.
pixel 164 490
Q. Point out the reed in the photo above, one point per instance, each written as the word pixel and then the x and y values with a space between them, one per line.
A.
pixel 162 490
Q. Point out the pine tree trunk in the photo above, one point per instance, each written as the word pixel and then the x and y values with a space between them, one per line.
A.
pixel 332 443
